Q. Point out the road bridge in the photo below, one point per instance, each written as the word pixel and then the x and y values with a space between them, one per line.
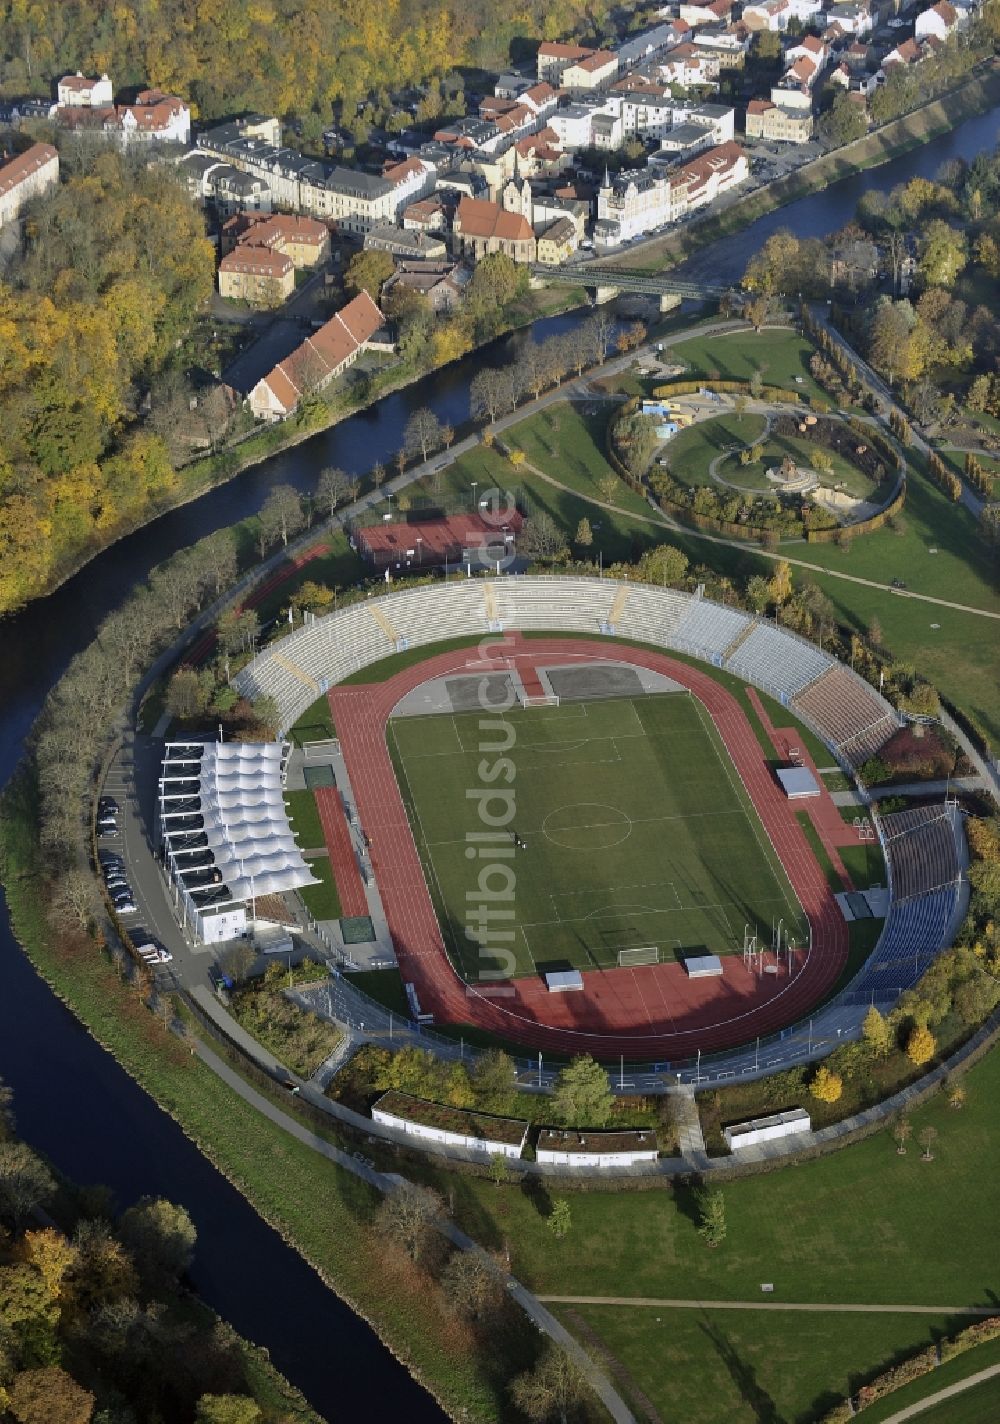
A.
pixel 626 279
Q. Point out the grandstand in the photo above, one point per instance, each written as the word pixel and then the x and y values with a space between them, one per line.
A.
pixel 844 711
pixel 851 715
pixel 922 851
pixel 777 661
pixel 925 879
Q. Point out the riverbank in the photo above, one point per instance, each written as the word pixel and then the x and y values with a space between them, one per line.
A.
pixel 975 96
pixel 203 475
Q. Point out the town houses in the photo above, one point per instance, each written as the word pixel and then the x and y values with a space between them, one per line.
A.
pixel 25 177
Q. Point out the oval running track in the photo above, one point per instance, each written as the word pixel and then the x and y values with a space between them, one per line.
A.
pixel 652 1012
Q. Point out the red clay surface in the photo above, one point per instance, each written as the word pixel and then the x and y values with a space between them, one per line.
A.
pixel 822 810
pixel 343 861
pixel 650 1012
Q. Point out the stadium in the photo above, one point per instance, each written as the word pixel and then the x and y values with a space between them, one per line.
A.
pixel 574 814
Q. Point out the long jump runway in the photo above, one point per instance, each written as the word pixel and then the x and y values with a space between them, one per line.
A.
pixel 652 1012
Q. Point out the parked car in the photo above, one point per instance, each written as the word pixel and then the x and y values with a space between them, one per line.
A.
pixel 153 952
pixel 110 833
pixel 107 805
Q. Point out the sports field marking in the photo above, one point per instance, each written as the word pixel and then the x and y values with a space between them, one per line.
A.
pixel 752 821
pixel 618 825
pixel 636 821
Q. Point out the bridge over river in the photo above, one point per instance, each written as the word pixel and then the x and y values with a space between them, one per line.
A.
pixel 609 278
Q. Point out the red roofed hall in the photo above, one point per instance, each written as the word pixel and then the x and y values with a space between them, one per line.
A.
pixel 453 539
pixel 315 363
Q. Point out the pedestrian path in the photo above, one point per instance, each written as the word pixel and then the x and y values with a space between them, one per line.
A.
pixel 810 1307
pixel 690 1138
pixel 912 1410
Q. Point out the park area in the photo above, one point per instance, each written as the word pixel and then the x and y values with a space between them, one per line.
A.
pixel 636 832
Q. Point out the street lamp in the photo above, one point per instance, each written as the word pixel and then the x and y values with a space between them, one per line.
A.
pixel 419 550
pixel 475 486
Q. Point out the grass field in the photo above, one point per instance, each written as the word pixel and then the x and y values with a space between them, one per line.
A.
pixel 322 900
pixel 303 815
pixel 567 442
pixel 960 1368
pixel 637 829
pixel 975 1406
pixel 781 356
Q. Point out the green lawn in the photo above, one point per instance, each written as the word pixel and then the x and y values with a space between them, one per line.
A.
pixel 690 452
pixel 322 901
pixel 962 569
pixel 385 986
pixel 861 1225
pixel 637 831
pixel 977 1406
pixel 303 814
pixel 314 725
pixel 731 1367
pixel 568 444
pixel 340 567
pixel 947 1374
pixel 780 356
pixel 776 447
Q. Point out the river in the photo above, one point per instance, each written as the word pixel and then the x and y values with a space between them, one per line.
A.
pixel 73 1102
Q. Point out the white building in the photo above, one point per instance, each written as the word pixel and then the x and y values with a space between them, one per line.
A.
pixel 25 176
pixel 591 1148
pixel 634 202
pixel 940 20
pixel 79 91
pixel 767 1129
pixel 572 126
pixel 433 1122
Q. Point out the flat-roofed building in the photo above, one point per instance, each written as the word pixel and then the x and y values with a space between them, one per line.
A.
pixel 596 1148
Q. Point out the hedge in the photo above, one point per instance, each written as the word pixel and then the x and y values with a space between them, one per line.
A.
pixel 688 388
pixel 866 526
pixel 915 1367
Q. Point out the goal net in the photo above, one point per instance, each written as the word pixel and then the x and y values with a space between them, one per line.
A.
pixel 540 700
pixel 647 954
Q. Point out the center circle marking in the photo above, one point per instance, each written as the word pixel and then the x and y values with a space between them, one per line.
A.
pixel 587 825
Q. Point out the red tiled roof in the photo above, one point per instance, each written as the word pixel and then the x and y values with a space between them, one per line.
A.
pixel 538 94
pixel 803 69
pixel 24 165
pixel 478 218
pixel 401 171
pixel 283 227
pixel 811 43
pixel 947 12
pixel 437 536
pixel 600 59
pixel 325 350
pixel 759 106
pixel 257 262
pixel 552 49
pixel 79 82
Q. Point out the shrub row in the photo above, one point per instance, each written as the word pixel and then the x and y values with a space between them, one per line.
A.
pixel 945 480
pixel 979 478
pixel 914 1368
pixel 866 526
pixel 689 388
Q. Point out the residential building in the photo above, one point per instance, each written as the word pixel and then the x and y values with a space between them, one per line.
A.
pixel 441 284
pixel 572 126
pixel 777 124
pixel 597 71
pixel 606 132
pixel 776 14
pixel 155 117
pixel 637 49
pixel 233 191
pixel 633 202
pixel 482 227
pixel 255 275
pixel 940 20
pixel 909 52
pixel 729 48
pixel 406 242
pixel 708 176
pixel 425 215
pixel 687 65
pixel 553 58
pixel 854 17
pixel 550 208
pixel 809 48
pixel 25 177
pixel 596 1149
pixel 557 242
pixel 304 240
pixel 324 355
pixel 79 91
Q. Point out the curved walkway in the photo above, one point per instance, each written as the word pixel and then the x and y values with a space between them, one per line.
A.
pixel 385 1183
pixel 681 1016
pixel 922 1405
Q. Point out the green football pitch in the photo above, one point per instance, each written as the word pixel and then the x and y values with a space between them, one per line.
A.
pixel 637 832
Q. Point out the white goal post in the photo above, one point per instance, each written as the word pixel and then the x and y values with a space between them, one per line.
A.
pixel 647 954
pixel 539 700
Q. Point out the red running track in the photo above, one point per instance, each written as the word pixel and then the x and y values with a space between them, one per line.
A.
pixel 650 1012
pixel 343 861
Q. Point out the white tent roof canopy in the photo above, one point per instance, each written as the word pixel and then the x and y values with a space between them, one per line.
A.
pixel 240 787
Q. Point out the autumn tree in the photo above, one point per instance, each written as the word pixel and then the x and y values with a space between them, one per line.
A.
pixel 560 1218
pixel 902 1131
pixel 331 488
pixel 826 1086
pixel 472 1284
pixel 541 537
pixel 582 1096
pixel 876 1033
pixel 48 1395
pixel 920 1046
pixel 25 1182
pixel 409 1216
pixel 227 1409
pixel 584 536
pixel 927 1136
pixel 160 1237
pixel 367 271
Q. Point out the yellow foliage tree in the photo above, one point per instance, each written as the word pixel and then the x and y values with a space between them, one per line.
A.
pixel 826 1086
pixel 920 1046
pixel 779 588
pixel 53 1255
